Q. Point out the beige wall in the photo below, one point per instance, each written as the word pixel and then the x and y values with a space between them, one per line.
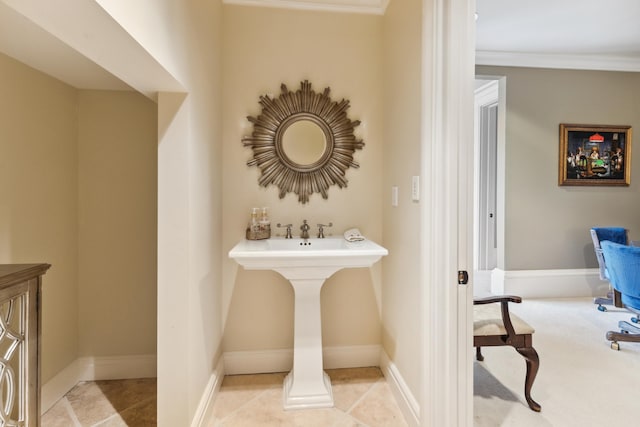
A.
pixel 403 106
pixel 547 226
pixel 79 192
pixel 38 197
pixel 117 158
pixel 189 195
pixel 263 48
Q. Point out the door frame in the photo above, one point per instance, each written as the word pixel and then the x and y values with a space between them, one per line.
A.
pixel 500 223
pixel 486 100
pixel 447 215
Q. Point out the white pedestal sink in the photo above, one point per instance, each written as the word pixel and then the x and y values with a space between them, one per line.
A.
pixel 306 264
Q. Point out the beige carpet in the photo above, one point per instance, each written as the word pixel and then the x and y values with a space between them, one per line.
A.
pixel 581 382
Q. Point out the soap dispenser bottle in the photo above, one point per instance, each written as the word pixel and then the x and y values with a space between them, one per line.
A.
pixel 264 217
pixel 265 224
pixel 254 225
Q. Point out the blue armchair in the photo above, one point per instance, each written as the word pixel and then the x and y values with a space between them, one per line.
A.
pixel 623 267
pixel 611 234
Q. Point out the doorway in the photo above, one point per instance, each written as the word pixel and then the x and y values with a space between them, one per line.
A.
pixel 489 124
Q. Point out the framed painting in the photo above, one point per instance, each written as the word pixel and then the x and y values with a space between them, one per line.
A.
pixel 594 155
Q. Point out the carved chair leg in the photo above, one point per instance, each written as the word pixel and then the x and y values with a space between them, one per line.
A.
pixel 533 362
pixel 623 336
pixel 479 356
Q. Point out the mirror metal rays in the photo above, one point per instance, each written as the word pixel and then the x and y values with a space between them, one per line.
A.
pixel 303 142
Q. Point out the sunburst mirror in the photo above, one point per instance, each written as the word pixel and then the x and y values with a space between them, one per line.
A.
pixel 303 142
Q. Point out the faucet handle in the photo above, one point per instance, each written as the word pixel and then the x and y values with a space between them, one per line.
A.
pixel 321 229
pixel 288 232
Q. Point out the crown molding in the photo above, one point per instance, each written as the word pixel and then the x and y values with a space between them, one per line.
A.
pixel 372 7
pixel 562 61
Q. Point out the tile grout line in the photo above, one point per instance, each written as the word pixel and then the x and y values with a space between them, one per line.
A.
pixel 222 420
pixel 71 412
pixel 364 395
pixel 346 414
pixel 119 413
pixel 381 383
pixel 110 417
pixel 348 417
pixel 360 399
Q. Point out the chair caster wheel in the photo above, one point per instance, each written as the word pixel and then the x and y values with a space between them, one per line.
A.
pixel 602 308
pixel 615 346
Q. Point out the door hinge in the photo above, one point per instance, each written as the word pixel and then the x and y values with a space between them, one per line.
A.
pixel 463 277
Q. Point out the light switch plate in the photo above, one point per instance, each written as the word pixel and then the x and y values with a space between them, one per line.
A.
pixel 415 188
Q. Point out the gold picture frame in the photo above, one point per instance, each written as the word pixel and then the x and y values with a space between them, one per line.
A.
pixel 597 155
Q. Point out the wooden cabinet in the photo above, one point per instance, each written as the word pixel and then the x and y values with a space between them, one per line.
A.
pixel 20 328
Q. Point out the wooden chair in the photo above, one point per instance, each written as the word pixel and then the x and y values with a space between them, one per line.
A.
pixel 494 326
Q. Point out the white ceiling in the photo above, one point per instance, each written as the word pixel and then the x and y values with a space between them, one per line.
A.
pixel 28 43
pixel 607 27
pixel 592 34
pixel 595 34
pixel 23 40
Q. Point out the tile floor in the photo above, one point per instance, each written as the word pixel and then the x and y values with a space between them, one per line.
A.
pixel 106 404
pixel 362 398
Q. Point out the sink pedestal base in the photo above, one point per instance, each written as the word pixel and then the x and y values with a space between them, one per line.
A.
pixel 307 385
pixel 324 399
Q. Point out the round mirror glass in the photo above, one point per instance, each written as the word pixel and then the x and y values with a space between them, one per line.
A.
pixel 304 142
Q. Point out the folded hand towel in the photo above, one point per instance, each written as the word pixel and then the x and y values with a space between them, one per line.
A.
pixel 353 235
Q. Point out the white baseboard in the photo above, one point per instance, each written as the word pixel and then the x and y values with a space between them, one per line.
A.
pixel 256 362
pixel 119 367
pixel 96 368
pixel 482 282
pixel 548 283
pixel 58 386
pixel 264 361
pixel 356 356
pixel 407 403
pixel 205 407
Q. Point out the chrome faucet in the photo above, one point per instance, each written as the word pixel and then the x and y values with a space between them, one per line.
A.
pixel 321 229
pixel 288 232
pixel 304 229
